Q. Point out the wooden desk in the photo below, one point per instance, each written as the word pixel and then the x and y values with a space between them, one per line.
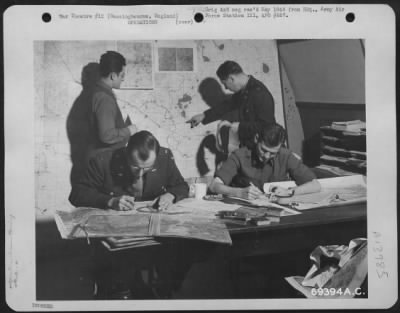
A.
pixel 323 226
pixel 303 232
pixel 295 235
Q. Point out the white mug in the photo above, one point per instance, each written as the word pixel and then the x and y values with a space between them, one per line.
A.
pixel 199 190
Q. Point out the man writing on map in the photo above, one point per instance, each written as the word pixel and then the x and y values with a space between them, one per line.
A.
pixel 143 170
pixel 251 98
pixel 116 179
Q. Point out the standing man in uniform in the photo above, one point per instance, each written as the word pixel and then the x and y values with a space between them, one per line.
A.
pixel 107 127
pixel 251 98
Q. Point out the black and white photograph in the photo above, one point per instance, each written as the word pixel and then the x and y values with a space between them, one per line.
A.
pixel 190 167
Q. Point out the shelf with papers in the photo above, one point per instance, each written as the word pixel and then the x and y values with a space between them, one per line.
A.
pixel 343 149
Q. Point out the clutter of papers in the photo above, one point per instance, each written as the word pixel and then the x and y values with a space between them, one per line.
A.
pixel 263 201
pixel 334 191
pixel 334 266
pixel 201 219
pixel 355 125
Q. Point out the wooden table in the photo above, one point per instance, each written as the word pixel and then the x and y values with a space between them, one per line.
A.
pixel 295 233
pixel 322 226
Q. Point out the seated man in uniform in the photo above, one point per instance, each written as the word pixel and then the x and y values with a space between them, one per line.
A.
pixel 115 179
pixel 245 171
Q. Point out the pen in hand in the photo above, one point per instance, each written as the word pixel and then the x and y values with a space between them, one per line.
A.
pixel 253 191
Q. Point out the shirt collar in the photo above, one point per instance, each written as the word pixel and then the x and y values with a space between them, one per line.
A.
pixel 105 87
pixel 249 84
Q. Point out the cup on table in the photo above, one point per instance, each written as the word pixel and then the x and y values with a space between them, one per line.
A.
pixel 199 190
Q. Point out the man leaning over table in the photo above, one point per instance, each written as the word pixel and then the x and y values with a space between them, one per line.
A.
pixel 115 179
pixel 143 170
pixel 246 170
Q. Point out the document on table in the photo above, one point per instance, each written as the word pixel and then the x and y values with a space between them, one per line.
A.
pixel 201 207
pixel 69 222
pixel 334 192
pixel 177 222
pixel 263 202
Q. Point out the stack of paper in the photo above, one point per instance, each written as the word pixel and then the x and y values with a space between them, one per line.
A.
pixel 121 243
pixel 263 202
pixel 355 125
pixel 334 191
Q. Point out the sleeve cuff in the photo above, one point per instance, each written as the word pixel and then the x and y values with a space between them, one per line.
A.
pixel 207 118
pixel 102 201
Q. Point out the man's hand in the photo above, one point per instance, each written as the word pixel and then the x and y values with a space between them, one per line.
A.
pixel 123 203
pixel 250 193
pixel 165 201
pixel 196 120
pixel 281 192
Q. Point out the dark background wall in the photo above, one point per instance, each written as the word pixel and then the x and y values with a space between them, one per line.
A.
pixel 328 81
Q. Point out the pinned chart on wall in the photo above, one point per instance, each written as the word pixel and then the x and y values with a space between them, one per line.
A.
pixel 139 64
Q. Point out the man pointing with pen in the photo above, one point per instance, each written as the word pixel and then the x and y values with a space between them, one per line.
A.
pixel 251 98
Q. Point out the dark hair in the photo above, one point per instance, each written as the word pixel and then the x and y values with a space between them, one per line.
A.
pixel 143 142
pixel 111 61
pixel 227 68
pixel 272 134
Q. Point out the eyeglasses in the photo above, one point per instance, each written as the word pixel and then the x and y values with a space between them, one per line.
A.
pixel 145 169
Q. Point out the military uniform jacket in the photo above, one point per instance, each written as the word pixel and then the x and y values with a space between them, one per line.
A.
pixel 255 105
pixel 108 129
pixel 243 167
pixel 108 175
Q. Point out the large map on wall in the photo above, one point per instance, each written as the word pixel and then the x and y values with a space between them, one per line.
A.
pixel 160 102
